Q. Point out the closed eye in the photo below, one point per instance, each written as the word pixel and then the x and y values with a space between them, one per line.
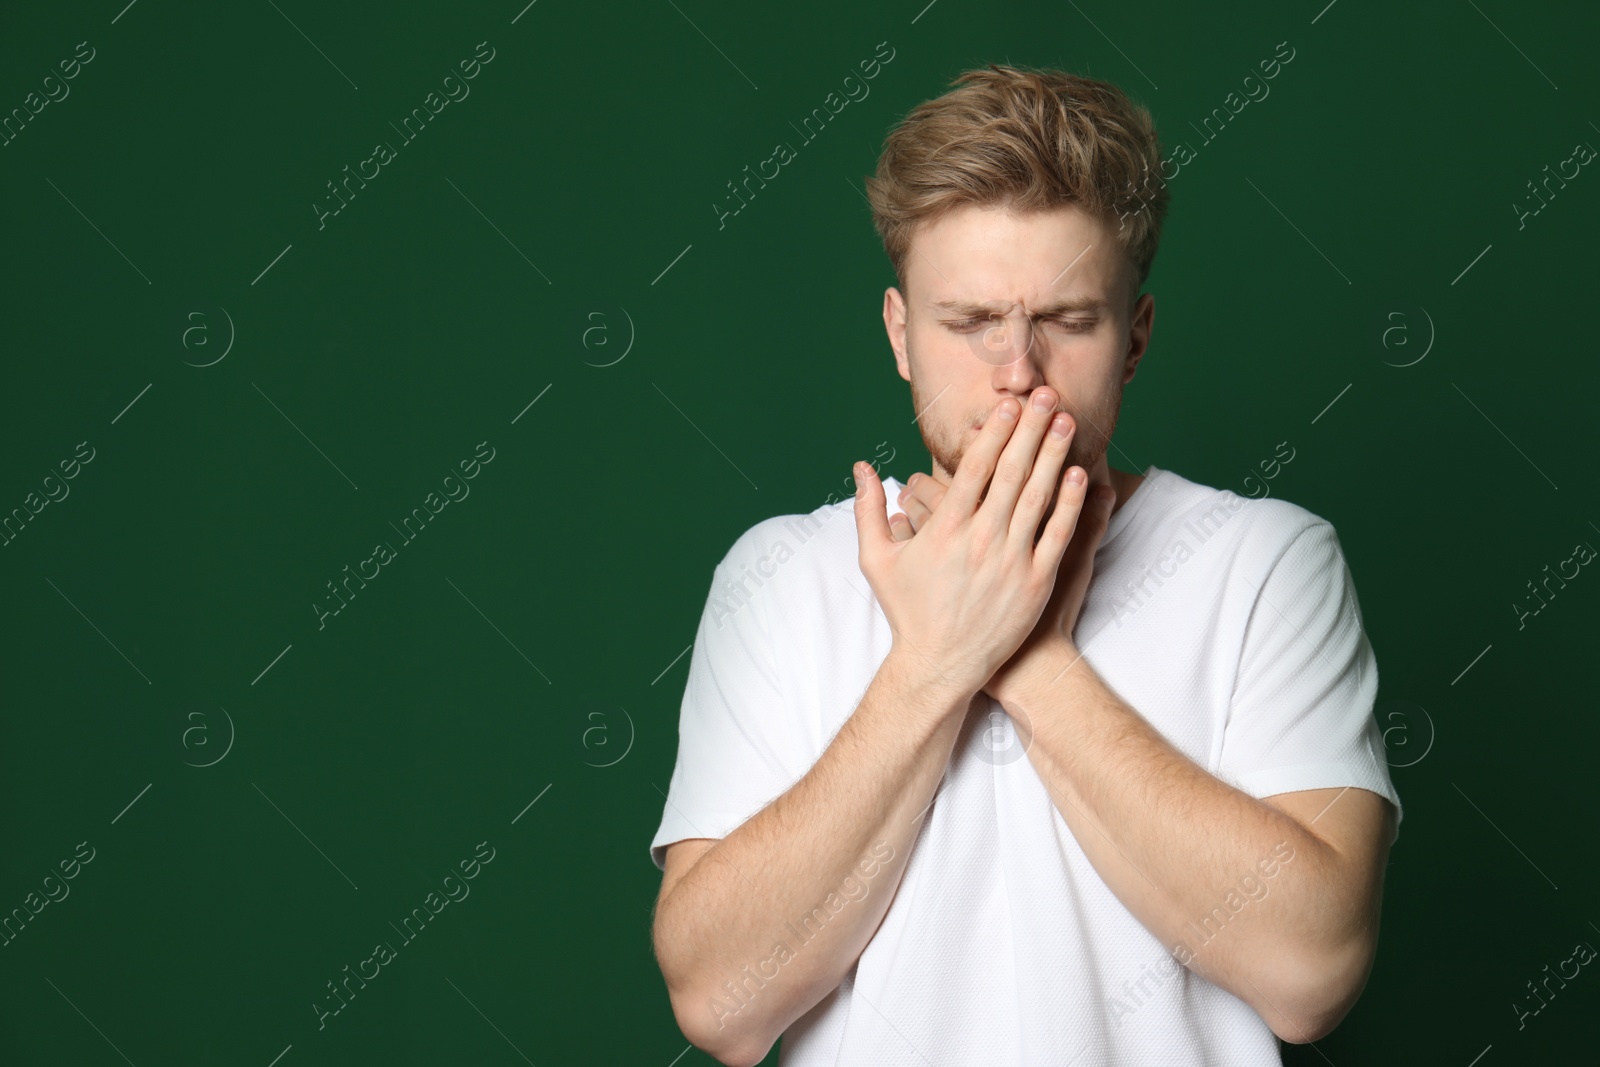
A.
pixel 1067 325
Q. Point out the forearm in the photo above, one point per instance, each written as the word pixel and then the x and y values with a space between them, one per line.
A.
pixel 1175 843
pixel 769 881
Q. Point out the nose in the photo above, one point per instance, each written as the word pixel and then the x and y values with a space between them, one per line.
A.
pixel 1019 378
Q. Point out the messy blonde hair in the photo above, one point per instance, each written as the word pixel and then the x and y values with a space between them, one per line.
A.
pixel 1026 140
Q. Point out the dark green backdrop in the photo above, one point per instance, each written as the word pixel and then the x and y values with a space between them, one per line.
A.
pixel 544 271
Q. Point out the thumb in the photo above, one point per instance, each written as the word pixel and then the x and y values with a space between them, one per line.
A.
pixel 872 520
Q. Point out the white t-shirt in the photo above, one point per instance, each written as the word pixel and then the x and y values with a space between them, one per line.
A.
pixel 1231 625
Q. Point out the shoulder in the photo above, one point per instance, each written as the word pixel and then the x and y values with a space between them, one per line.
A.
pixel 800 563
pixel 1259 530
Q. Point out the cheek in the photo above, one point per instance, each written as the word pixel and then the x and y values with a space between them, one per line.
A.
pixel 938 353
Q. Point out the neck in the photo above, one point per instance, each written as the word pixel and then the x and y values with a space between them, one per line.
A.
pixel 1125 483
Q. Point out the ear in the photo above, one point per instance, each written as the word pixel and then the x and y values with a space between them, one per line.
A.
pixel 894 324
pixel 1140 323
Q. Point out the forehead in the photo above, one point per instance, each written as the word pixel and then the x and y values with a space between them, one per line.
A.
pixel 988 254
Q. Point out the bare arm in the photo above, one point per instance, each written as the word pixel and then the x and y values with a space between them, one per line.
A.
pixel 857 809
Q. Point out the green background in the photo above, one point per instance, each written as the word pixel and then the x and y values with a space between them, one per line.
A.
pixel 529 647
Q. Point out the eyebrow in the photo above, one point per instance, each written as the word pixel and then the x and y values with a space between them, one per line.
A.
pixel 994 307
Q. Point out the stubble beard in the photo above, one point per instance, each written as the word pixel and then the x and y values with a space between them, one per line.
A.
pixel 947 445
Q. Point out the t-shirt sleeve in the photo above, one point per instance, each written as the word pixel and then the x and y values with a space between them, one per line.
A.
pixel 1301 713
pixel 738 749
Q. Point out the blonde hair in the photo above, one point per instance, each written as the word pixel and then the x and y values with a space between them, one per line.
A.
pixel 1026 140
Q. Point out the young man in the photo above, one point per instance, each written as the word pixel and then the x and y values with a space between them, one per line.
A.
pixel 1044 762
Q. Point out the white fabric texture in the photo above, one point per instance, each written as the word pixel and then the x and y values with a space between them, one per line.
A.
pixel 1231 625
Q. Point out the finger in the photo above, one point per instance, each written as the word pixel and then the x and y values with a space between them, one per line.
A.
pixel 1092 523
pixel 1064 519
pixel 1043 480
pixel 1079 557
pixel 872 521
pixel 1017 461
pixel 916 511
pixel 901 527
pixel 928 489
pixel 977 465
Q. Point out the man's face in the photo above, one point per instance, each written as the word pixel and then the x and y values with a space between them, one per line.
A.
pixel 998 305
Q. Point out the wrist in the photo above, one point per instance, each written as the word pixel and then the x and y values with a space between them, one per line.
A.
pixel 1045 666
pixel 932 682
